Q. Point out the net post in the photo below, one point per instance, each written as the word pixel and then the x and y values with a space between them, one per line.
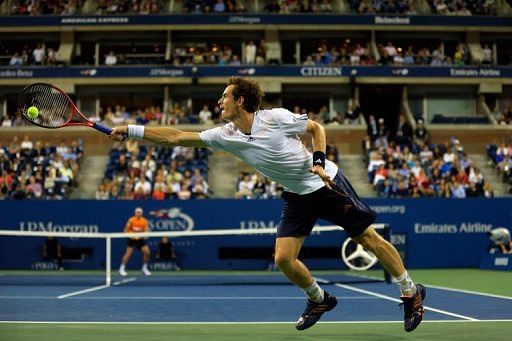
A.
pixel 108 275
pixel 387 235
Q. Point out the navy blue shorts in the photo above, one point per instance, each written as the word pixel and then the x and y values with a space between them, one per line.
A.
pixel 340 206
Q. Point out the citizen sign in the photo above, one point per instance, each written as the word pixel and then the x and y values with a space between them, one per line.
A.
pixel 320 71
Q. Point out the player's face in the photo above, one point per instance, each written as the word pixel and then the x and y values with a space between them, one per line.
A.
pixel 228 104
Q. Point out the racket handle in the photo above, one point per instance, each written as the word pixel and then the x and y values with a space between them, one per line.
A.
pixel 106 130
pixel 101 128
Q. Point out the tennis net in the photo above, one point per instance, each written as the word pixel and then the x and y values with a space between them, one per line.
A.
pixel 199 257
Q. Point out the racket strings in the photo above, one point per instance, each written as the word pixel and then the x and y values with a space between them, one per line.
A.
pixel 54 107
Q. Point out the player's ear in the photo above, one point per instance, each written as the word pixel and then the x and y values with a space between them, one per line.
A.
pixel 240 101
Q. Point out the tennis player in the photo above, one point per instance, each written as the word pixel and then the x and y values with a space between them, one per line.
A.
pixel 136 224
pixel 315 188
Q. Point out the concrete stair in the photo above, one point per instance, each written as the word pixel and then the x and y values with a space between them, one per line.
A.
pixel 223 174
pixel 490 174
pixel 355 170
pixel 90 177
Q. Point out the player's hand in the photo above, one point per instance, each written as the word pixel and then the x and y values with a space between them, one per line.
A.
pixel 318 170
pixel 119 133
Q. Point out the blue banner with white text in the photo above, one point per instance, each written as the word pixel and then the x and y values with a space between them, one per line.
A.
pixel 431 233
pixel 255 19
pixel 255 71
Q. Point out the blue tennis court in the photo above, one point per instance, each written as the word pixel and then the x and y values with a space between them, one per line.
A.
pixel 240 299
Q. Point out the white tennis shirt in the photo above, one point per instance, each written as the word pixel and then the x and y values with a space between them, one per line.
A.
pixel 273 149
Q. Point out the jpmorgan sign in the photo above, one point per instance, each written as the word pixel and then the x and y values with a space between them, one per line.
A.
pixel 50 226
pixel 320 71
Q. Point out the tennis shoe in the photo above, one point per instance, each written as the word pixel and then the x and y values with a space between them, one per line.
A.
pixel 146 272
pixel 123 272
pixel 315 310
pixel 413 308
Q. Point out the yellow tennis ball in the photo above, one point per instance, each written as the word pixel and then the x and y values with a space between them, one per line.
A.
pixel 32 112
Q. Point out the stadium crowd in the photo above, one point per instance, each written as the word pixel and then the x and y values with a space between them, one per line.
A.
pixel 137 171
pixel 500 157
pixel 464 7
pixel 408 165
pixel 33 170
pixel 214 6
pixel 298 6
pixel 48 7
pixel 394 7
pixel 128 6
pixel 433 52
pixel 502 113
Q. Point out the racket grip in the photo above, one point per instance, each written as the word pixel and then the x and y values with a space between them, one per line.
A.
pixel 101 128
pixel 106 130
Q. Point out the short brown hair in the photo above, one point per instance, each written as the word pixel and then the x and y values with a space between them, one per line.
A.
pixel 250 90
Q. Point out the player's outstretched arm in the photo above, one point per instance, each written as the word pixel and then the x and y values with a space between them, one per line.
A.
pixel 165 136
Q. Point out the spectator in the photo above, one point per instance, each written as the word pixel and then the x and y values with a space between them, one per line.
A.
pixel 205 115
pixel 166 252
pixel 39 55
pixel 250 53
pixel 111 59
pixel 421 134
pixel 245 187
pixel 487 57
pixel 16 60
pixel 53 251
pixel 403 132
pixel 219 7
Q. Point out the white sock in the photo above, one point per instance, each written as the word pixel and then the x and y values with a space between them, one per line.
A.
pixel 122 267
pixel 406 285
pixel 314 292
pixel 145 266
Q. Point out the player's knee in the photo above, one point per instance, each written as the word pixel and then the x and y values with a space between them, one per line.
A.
pixel 369 241
pixel 283 260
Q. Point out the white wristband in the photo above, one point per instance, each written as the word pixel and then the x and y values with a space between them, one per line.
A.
pixel 135 132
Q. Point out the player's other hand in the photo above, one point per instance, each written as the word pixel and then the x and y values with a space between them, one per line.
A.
pixel 318 170
pixel 119 133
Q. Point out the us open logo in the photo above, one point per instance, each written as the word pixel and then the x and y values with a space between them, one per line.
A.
pixel 170 219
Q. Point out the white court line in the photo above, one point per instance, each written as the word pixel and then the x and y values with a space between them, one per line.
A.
pixel 74 293
pixel 470 292
pixel 123 281
pixel 184 297
pixel 242 323
pixel 100 287
pixel 319 280
pixel 389 298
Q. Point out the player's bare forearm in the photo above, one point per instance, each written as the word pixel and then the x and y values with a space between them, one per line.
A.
pixel 168 136
pixel 165 136
pixel 317 132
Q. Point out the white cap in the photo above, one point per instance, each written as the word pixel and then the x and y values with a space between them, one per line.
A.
pixel 138 209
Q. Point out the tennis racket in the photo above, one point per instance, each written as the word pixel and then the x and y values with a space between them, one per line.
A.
pixel 56 109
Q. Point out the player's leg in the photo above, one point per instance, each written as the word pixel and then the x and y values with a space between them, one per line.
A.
pixel 146 255
pixel 126 257
pixel 344 208
pixel 319 301
pixel 286 258
pixel 384 251
pixel 412 295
